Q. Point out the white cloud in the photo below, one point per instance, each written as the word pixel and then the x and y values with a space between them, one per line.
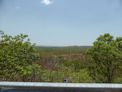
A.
pixel 46 2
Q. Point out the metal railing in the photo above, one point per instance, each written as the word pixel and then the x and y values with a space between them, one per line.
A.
pixel 58 87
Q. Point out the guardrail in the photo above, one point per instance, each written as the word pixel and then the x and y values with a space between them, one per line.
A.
pixel 58 87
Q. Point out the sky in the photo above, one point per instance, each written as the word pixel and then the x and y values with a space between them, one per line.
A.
pixel 61 22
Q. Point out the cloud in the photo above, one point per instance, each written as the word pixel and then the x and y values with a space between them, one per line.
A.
pixel 46 2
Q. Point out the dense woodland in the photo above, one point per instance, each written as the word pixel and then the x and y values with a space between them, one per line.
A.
pixel 20 60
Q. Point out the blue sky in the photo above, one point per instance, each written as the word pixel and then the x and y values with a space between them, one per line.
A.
pixel 61 22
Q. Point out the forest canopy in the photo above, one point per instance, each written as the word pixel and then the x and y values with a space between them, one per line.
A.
pixel 20 60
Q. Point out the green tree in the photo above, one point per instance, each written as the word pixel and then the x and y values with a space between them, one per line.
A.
pixel 105 58
pixel 17 54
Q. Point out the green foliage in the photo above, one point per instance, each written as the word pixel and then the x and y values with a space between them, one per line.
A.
pixel 16 56
pixel 106 56
pixel 82 77
pixel 20 60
